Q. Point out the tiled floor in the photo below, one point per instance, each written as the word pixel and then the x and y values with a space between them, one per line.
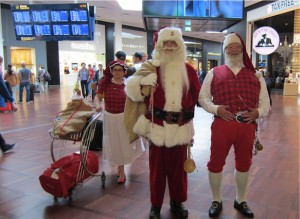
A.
pixel 274 177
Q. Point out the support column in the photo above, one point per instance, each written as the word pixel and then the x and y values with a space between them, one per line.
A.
pixel 118 37
pixel 296 44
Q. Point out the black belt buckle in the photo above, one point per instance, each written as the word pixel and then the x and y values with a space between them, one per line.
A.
pixel 239 118
pixel 174 117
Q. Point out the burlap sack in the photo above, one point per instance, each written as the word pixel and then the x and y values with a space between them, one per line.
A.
pixel 72 119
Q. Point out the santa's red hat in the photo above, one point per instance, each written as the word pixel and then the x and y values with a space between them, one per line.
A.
pixel 236 38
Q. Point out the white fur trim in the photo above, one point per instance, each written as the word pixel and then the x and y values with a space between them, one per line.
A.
pixel 133 88
pixel 231 38
pixel 142 126
pixel 168 135
pixel 150 79
pixel 156 63
pixel 173 86
pixel 169 33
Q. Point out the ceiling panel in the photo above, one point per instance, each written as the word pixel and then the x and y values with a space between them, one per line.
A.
pixel 110 11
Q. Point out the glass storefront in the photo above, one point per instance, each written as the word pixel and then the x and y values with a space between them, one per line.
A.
pixel 73 53
pixel 133 41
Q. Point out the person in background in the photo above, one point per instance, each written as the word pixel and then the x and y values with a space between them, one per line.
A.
pixel 144 56
pixel 41 78
pixel 94 68
pixel 12 78
pixel 24 76
pixel 167 122
pixel 97 77
pixel 5 95
pixel 121 56
pixel 269 86
pixel 236 94
pixel 130 71
pixel 137 60
pixel 116 147
pixel 83 77
pixel 90 80
pixel 99 72
pixel 5 148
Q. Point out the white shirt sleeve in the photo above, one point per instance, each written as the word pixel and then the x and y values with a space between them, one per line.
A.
pixel 264 101
pixel 205 97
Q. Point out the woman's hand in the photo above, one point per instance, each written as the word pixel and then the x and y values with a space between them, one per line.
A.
pixel 98 109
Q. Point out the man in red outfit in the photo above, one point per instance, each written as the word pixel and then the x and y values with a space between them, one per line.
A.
pixel 236 94
pixel 168 122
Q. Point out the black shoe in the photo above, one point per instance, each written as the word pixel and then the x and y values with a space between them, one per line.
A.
pixel 244 209
pixel 215 209
pixel 154 213
pixel 178 209
pixel 8 148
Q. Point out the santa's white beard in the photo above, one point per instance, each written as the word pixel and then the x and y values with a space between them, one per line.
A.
pixel 234 60
pixel 173 64
pixel 174 79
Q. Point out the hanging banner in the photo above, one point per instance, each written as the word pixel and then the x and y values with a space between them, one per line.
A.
pixel 265 40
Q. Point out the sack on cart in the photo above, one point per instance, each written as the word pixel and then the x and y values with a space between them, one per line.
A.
pixel 73 118
pixel 64 174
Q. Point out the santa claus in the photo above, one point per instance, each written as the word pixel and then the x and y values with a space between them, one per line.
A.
pixel 236 95
pixel 167 121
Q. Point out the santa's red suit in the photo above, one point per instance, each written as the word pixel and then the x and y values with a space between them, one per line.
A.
pixel 168 139
pixel 169 127
pixel 236 94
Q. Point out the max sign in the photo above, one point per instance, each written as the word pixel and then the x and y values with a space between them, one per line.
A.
pixel 265 40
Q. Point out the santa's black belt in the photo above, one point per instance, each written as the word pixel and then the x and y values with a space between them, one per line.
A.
pixel 173 117
pixel 239 119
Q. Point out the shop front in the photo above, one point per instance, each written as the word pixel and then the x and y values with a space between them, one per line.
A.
pixel 277 55
pixel 73 53
pixel 133 41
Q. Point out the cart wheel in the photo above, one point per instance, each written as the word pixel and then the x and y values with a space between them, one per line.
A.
pixel 71 192
pixel 103 178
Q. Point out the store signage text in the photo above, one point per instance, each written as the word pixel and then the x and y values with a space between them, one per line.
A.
pixel 132 46
pixel 265 40
pixel 83 46
pixel 283 4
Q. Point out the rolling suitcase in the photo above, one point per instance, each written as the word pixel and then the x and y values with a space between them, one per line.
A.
pixel 61 177
pixel 7 108
pixel 96 143
pixel 32 89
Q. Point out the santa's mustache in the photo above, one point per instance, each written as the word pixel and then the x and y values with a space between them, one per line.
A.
pixel 170 48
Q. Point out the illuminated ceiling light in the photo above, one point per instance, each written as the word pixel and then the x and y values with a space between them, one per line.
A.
pixel 132 5
pixel 188 23
pixel 187 29
pixel 212 31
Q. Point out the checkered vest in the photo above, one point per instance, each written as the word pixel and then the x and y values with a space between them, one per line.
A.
pixel 240 91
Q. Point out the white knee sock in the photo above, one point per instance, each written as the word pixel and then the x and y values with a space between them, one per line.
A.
pixel 215 180
pixel 241 180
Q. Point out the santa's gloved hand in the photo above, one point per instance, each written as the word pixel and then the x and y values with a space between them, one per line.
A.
pixel 150 79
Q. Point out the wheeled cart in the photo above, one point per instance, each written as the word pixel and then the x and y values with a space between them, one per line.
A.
pixel 69 172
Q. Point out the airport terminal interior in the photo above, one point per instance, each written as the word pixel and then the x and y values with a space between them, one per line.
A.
pixel 274 177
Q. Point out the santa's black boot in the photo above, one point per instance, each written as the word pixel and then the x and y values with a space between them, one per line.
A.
pixel 178 209
pixel 154 213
